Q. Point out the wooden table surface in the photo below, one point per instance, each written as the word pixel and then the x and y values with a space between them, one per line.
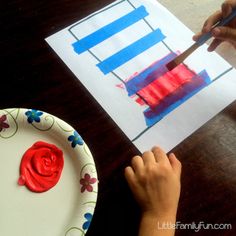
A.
pixel 32 76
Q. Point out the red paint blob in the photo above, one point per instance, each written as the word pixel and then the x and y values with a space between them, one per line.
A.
pixel 41 167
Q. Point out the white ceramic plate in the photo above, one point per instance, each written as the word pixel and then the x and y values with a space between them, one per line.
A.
pixel 64 210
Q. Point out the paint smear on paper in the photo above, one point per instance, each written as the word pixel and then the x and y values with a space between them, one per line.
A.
pixel 147 76
pixel 175 99
pixel 163 90
pixel 165 85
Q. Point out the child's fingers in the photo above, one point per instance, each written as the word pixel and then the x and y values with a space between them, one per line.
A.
pixel 175 163
pixel 211 21
pixel 130 176
pixel 148 157
pixel 214 44
pixel 129 173
pixel 159 154
pixel 197 36
pixel 227 7
pixel 137 163
pixel 224 33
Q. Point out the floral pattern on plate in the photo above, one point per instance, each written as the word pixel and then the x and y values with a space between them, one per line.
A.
pixel 12 119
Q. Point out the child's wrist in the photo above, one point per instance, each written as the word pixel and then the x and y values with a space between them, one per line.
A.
pixel 161 217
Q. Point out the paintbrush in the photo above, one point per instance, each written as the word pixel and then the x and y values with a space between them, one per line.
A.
pixel 179 59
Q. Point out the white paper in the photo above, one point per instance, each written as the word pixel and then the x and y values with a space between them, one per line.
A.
pixel 179 123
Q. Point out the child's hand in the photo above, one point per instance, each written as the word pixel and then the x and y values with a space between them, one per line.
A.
pixel 155 182
pixel 223 33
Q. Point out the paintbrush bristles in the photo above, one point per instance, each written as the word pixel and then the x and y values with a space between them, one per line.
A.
pixel 179 59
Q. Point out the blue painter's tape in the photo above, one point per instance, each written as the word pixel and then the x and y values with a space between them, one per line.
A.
pixel 149 75
pixel 109 30
pixel 171 102
pixel 131 51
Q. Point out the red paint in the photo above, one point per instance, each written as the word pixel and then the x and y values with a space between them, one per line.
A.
pixel 121 86
pixel 166 85
pixel 41 167
pixel 140 101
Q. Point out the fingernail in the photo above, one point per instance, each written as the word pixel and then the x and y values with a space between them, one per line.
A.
pixel 209 49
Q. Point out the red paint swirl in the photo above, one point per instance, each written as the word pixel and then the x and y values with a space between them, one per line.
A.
pixel 41 167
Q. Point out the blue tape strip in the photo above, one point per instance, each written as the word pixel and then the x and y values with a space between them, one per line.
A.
pixel 108 30
pixel 149 75
pixel 131 51
pixel 171 102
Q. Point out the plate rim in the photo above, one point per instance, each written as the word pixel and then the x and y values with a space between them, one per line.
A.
pixel 37 119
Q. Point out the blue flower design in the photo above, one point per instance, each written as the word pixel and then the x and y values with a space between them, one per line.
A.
pixel 88 217
pixel 75 139
pixel 33 115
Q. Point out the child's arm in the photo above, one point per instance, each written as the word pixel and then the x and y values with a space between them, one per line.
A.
pixel 154 180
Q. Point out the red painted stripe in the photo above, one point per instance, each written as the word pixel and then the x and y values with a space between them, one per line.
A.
pixel 165 85
pixel 140 101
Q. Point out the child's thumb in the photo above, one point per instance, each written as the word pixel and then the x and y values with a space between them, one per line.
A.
pixel 175 163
